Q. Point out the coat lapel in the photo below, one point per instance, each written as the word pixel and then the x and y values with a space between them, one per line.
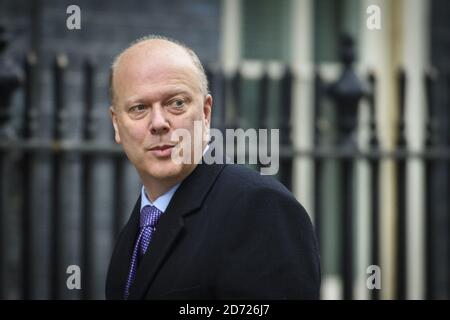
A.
pixel 118 270
pixel 187 199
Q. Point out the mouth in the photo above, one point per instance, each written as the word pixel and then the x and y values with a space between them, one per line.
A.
pixel 162 150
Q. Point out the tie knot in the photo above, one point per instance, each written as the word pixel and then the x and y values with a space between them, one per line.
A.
pixel 149 216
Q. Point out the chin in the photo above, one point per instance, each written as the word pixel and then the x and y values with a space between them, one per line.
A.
pixel 167 170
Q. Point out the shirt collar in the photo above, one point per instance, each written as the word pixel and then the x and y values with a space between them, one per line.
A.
pixel 161 202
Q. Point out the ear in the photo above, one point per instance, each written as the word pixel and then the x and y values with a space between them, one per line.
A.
pixel 207 106
pixel 113 114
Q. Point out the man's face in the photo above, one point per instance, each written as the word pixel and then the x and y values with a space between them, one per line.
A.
pixel 157 90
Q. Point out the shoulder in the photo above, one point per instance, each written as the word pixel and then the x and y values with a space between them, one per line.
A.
pixel 249 180
pixel 245 187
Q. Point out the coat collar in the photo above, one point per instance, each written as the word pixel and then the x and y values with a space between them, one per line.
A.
pixel 186 200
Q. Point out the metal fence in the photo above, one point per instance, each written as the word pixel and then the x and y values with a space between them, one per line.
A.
pixel 90 180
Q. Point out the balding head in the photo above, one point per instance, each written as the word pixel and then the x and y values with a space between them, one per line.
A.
pixel 157 48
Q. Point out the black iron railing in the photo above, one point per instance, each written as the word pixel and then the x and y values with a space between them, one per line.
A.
pixel 50 240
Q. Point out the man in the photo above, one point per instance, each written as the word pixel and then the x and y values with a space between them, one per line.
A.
pixel 198 231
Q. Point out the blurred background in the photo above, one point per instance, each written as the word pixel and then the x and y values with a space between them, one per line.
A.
pixel 362 112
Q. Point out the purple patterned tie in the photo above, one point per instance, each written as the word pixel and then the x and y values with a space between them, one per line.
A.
pixel 148 219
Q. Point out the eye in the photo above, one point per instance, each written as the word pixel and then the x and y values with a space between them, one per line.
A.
pixel 137 108
pixel 178 103
pixel 137 111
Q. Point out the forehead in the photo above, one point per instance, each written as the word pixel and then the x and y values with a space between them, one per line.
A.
pixel 152 67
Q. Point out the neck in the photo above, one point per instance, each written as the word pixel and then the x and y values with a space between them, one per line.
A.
pixel 155 188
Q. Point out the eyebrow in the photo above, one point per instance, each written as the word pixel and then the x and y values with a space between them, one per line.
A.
pixel 164 96
pixel 177 92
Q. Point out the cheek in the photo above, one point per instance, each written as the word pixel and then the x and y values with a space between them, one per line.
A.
pixel 134 133
pixel 197 115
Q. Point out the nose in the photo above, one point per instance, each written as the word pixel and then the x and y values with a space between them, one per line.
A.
pixel 159 123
